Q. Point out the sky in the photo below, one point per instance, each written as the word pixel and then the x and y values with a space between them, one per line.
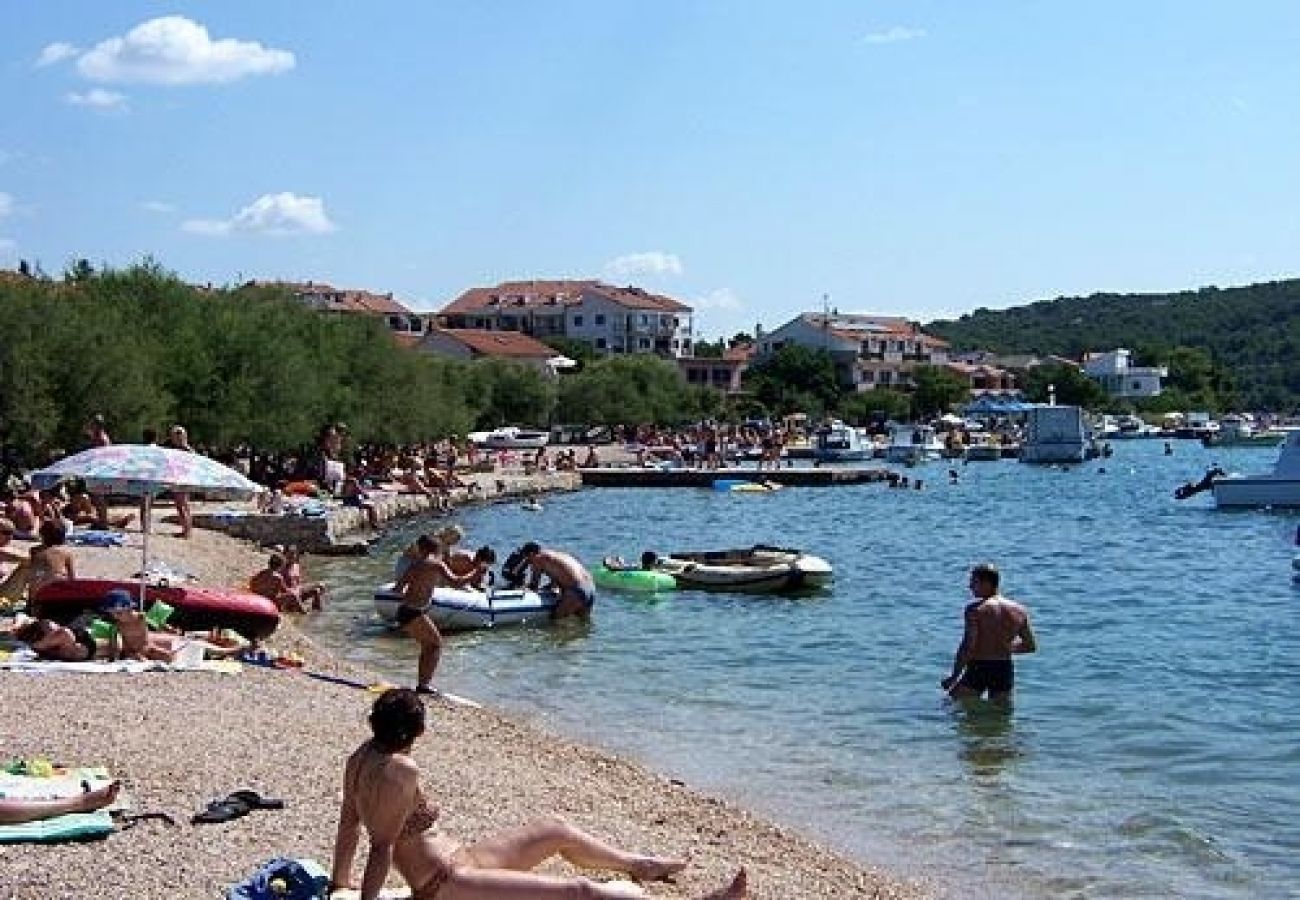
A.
pixel 753 159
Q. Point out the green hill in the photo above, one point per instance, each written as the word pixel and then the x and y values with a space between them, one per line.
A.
pixel 1250 336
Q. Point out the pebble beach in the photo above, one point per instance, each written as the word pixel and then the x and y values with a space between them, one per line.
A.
pixel 180 739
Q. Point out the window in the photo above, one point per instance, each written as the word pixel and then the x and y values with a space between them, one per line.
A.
pixel 577 321
pixel 643 343
pixel 600 343
pixel 645 319
pixel 600 318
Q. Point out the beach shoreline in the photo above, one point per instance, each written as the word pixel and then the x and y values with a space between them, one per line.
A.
pixel 178 740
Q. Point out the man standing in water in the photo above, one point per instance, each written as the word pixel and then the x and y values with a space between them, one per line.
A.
pixel 996 628
pixel 416 586
pixel 576 587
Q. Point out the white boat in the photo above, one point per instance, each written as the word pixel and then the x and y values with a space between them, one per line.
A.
pixel 510 438
pixel 1240 431
pixel 983 447
pixel 838 442
pixel 456 609
pixel 756 570
pixel 1054 434
pixel 1281 487
pixel 913 444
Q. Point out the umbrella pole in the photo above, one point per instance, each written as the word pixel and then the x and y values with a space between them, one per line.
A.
pixel 144 545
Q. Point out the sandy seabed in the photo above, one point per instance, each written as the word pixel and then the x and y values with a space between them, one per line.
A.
pixel 178 740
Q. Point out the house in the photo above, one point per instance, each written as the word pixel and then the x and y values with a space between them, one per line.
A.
pixel 869 351
pixel 723 373
pixel 327 298
pixel 1116 374
pixel 477 343
pixel 983 378
pixel 610 319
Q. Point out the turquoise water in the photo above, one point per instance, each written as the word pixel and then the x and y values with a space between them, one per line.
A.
pixel 1152 750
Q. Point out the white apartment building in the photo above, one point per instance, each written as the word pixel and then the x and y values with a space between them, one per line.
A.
pixel 610 319
pixel 1119 378
pixel 869 351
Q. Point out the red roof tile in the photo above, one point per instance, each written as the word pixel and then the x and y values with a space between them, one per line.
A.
pixel 499 343
pixel 556 293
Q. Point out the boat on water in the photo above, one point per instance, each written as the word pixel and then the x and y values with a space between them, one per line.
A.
pixel 913 444
pixel 614 577
pixel 193 607
pixel 510 438
pixel 1054 434
pixel 983 447
pixel 839 442
pixel 1279 488
pixel 457 609
pixel 1241 431
pixel 755 570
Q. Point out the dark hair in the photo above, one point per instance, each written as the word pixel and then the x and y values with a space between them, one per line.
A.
pixel 426 543
pixel 53 533
pixel 31 632
pixel 396 719
pixel 485 554
pixel 988 573
pixel 530 548
pixel 649 559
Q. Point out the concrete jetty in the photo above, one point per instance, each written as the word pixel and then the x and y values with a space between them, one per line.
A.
pixel 806 476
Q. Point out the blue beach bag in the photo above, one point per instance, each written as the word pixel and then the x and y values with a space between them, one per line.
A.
pixel 284 879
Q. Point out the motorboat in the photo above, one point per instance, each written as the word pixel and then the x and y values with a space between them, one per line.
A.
pixel 1241 431
pixel 1281 487
pixel 984 447
pixel 913 444
pixel 510 438
pixel 1054 434
pixel 839 442
pixel 459 609
pixel 755 570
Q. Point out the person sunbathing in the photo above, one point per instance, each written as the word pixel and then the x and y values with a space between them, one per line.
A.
pixel 58 643
pixel 17 810
pixel 132 638
pixel 382 793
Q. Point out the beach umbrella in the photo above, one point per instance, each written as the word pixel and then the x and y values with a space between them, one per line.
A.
pixel 146 470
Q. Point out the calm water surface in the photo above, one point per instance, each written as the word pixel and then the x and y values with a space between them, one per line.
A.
pixel 1153 747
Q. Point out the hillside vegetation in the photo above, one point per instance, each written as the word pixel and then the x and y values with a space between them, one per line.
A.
pixel 1249 335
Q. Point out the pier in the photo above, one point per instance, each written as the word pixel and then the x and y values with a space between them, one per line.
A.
pixel 807 476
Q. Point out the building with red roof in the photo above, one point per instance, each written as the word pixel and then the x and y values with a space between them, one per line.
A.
pixel 326 298
pixel 478 343
pixel 610 319
pixel 870 351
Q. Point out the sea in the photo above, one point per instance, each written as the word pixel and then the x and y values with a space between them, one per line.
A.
pixel 1153 749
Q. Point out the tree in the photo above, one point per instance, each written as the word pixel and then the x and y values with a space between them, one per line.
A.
pixel 794 379
pixel 864 407
pixel 1068 384
pixel 580 352
pixel 511 394
pixel 937 391
pixel 621 389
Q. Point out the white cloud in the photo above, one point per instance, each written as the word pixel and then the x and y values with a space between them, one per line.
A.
pixel 894 35
pixel 97 98
pixel 56 53
pixel 6 204
pixel 654 262
pixel 176 50
pixel 722 298
pixel 158 206
pixel 271 214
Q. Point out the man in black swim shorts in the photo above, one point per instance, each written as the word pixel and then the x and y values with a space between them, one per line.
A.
pixel 996 628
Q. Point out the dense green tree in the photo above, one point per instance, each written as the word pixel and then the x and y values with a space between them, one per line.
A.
pixel 864 407
pixel 512 394
pixel 937 391
pixel 580 352
pixel 795 379
pixel 621 389
pixel 1066 383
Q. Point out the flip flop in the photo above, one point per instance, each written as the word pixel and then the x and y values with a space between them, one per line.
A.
pixel 255 800
pixel 221 811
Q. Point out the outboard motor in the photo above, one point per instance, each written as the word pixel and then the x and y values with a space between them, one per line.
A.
pixel 514 570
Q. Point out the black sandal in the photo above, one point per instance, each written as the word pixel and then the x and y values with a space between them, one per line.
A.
pixel 221 811
pixel 255 800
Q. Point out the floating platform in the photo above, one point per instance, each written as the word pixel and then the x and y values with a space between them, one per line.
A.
pixel 807 476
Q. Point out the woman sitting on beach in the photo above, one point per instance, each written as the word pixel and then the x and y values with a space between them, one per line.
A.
pixel 381 790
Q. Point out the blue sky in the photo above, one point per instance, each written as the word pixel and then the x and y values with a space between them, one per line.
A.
pixel 748 157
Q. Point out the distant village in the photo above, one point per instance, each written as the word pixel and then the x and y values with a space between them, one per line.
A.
pixel 513 319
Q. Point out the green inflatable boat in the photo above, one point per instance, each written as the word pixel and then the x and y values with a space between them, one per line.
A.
pixel 644 581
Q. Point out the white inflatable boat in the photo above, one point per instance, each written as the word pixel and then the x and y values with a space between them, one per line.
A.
pixel 456 609
pixel 756 570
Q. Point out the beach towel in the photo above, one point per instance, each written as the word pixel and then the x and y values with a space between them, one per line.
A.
pixel 283 879
pixel 26 661
pixel 71 827
pixel 97 538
